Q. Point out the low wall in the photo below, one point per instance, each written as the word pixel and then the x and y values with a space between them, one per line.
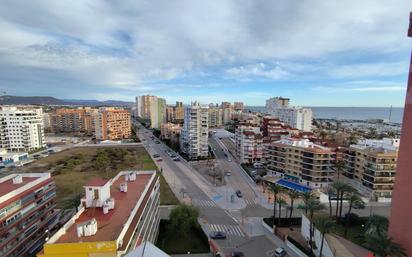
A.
pixel 296 250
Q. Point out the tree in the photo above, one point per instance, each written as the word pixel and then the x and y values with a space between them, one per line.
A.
pixel 330 191
pixel 281 202
pixel 183 218
pixel 346 190
pixel 339 166
pixel 293 195
pixel 382 246
pixel 340 188
pixel 354 198
pixel 306 197
pixel 276 189
pixel 376 225
pixel 313 206
pixel 324 224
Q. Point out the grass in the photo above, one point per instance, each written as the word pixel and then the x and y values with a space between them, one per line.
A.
pixel 172 242
pixel 355 234
pixel 167 197
pixel 72 168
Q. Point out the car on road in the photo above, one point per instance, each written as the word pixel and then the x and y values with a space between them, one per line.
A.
pixel 159 160
pixel 358 205
pixel 157 142
pixel 225 155
pixel 176 159
pixel 237 254
pixel 156 155
pixel 279 252
pixel 239 194
pixel 228 173
pixel 217 235
pixel 229 160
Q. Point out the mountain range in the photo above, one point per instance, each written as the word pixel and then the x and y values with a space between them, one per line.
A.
pixel 48 100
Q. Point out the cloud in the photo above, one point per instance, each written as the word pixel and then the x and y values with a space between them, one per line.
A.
pixel 257 70
pixel 370 70
pixel 363 87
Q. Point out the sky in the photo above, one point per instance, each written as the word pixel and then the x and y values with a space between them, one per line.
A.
pixel 318 53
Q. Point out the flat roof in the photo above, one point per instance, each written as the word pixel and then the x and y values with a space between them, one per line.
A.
pixel 7 186
pixel 111 224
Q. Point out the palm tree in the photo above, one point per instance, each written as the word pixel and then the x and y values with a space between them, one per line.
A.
pixel 376 225
pixel 276 189
pixel 293 195
pixel 382 246
pixel 347 189
pixel 313 205
pixel 306 196
pixel 354 198
pixel 330 191
pixel 324 224
pixel 339 166
pixel 281 202
pixel 338 186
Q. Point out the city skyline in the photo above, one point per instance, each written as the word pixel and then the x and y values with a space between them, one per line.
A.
pixel 352 54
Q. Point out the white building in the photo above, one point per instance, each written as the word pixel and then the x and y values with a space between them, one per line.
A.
pixel 21 128
pixel 249 143
pixel 296 117
pixel 194 133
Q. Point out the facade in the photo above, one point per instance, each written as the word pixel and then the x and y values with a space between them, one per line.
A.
pixel 157 112
pixel 400 227
pixel 296 117
pixel 115 217
pixel 46 122
pixel 215 117
pixel 301 161
pixel 170 130
pixel 143 104
pixel 175 114
pixel 112 124
pixel 248 143
pixel 81 120
pixel 274 130
pixel 372 163
pixel 21 128
pixel 27 212
pixel 194 133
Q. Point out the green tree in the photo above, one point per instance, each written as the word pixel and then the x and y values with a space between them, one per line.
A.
pixel 324 224
pixel 306 197
pixel 376 225
pixel 354 198
pixel 330 192
pixel 275 189
pixel 313 206
pixel 281 202
pixel 382 246
pixel 293 195
pixel 339 167
pixel 183 218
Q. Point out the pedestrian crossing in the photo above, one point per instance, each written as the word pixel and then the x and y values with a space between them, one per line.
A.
pixel 251 201
pixel 234 230
pixel 204 203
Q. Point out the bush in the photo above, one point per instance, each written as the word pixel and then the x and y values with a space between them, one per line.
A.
pixel 283 222
pixel 300 247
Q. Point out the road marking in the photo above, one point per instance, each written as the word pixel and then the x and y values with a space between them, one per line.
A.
pixel 204 203
pixel 234 230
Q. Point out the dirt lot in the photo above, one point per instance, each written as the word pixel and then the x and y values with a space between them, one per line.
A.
pixel 214 176
pixel 72 168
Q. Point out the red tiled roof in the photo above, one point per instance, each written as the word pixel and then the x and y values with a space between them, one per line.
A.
pixel 8 186
pixel 96 182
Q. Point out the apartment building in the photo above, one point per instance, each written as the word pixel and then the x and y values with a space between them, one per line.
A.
pixel 21 128
pixel 115 217
pixel 170 131
pixel 215 117
pixel 175 114
pixel 372 164
pixel 194 133
pixel 248 143
pixel 27 213
pixel 301 161
pixel 274 130
pixel 227 111
pixel 296 117
pixel 112 124
pixel 151 108
pixel 80 120
pixel 238 106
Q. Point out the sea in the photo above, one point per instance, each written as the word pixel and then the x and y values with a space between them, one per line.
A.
pixel 351 113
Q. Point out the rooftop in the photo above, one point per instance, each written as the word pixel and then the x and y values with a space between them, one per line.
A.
pixel 96 182
pixel 111 224
pixel 8 187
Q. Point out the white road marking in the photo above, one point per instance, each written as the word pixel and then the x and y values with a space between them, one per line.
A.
pixel 234 230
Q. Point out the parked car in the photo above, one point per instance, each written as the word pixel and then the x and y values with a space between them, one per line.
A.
pixel 218 235
pixel 358 205
pixel 237 254
pixel 228 173
pixel 229 160
pixel 157 142
pixel 159 160
pixel 239 194
pixel 279 252
pixel 156 155
pixel 176 159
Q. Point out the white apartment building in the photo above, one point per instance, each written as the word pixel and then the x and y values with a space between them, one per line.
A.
pixel 215 117
pixel 194 133
pixel 21 128
pixel 152 108
pixel 249 143
pixel 294 116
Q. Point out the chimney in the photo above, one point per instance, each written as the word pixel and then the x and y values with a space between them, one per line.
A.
pixel 18 179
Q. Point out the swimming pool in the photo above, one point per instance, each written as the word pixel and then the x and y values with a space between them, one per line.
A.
pixel 293 186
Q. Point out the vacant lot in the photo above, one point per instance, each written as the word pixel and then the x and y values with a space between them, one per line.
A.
pixel 72 168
